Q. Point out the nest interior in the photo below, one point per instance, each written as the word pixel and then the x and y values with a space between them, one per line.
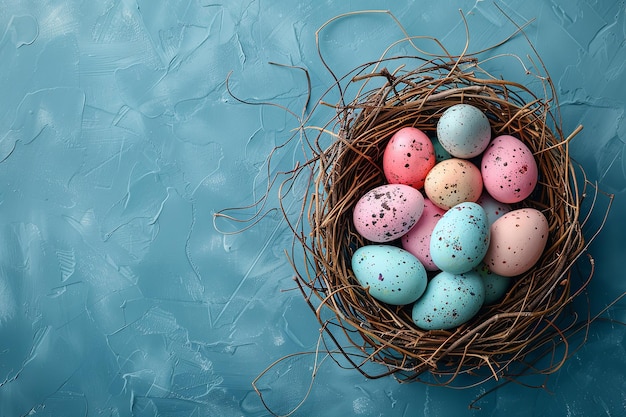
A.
pixel 502 333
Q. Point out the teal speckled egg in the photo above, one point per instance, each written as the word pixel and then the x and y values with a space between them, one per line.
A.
pixel 464 131
pixel 495 285
pixel 393 275
pixel 449 301
pixel 460 238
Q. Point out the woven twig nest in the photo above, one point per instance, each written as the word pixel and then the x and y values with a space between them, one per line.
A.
pixel 371 331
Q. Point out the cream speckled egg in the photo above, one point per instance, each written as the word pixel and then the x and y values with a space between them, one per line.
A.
pixel 509 169
pixel 449 301
pixel 417 240
pixel 453 181
pixel 408 157
pixel 464 131
pixel 517 242
pixel 387 212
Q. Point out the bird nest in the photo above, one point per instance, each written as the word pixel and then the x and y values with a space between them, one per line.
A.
pixel 527 317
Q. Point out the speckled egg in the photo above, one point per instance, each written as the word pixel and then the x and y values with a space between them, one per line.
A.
pixel 417 240
pixel 393 275
pixel 517 242
pixel 387 212
pixel 408 157
pixel 440 153
pixel 460 238
pixel 509 169
pixel 464 131
pixel 495 285
pixel 453 181
pixel 449 301
pixel 493 208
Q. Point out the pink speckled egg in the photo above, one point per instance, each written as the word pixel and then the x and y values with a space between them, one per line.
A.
pixel 509 170
pixel 453 181
pixel 417 240
pixel 517 242
pixel 387 212
pixel 408 157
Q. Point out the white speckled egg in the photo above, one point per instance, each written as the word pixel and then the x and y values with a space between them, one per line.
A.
pixel 393 275
pixel 449 301
pixel 408 157
pixel 495 285
pixel 417 240
pixel 517 242
pixel 460 238
pixel 509 169
pixel 387 212
pixel 493 208
pixel 464 131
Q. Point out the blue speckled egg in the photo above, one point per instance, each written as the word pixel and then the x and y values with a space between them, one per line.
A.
pixel 449 301
pixel 393 275
pixel 464 131
pixel 495 285
pixel 460 238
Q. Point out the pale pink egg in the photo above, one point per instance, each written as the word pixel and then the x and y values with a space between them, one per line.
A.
pixel 417 240
pixel 387 212
pixel 453 181
pixel 509 170
pixel 517 242
pixel 408 157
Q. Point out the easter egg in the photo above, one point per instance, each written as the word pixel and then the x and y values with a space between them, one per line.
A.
pixel 391 274
pixel 464 131
pixel 509 170
pixel 453 181
pixel 440 153
pixel 449 301
pixel 517 242
pixel 408 157
pixel 417 240
pixel 387 212
pixel 460 238
pixel 493 208
pixel 495 285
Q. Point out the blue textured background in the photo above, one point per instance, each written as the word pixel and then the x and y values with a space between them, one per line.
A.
pixel 118 143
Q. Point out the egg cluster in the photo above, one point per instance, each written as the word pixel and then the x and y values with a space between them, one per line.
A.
pixel 443 235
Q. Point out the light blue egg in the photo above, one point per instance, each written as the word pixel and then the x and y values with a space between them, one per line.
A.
pixel 464 131
pixel 393 275
pixel 495 285
pixel 460 238
pixel 493 208
pixel 449 301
